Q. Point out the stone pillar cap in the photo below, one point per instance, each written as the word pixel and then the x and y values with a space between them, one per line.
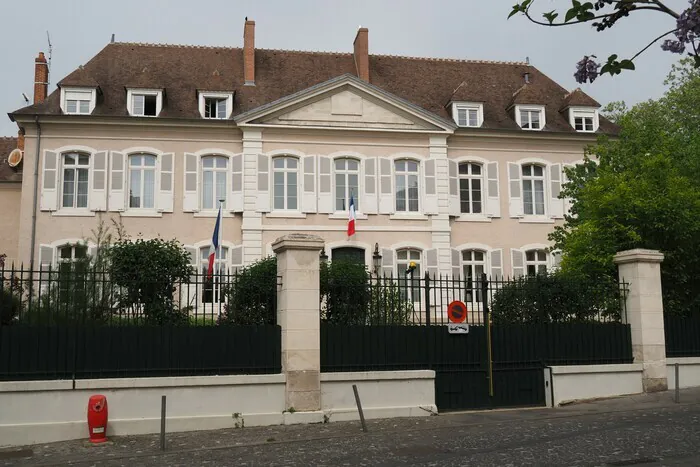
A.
pixel 638 255
pixel 298 241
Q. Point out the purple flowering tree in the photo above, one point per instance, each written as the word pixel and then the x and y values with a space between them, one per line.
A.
pixel 683 38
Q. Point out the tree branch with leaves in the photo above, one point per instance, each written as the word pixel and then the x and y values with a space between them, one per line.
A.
pixel 605 14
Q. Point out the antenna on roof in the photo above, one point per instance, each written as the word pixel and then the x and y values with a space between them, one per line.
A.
pixel 26 99
pixel 48 38
pixel 112 41
pixel 527 60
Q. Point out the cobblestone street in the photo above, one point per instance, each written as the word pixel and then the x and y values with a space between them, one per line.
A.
pixel 636 430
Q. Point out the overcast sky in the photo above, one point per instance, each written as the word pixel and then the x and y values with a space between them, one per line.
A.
pixel 470 29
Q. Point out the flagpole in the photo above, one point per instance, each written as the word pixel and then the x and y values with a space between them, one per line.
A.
pixel 221 232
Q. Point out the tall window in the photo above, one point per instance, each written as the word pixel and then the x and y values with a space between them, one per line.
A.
pixel 215 107
pixel 75 180
pixel 470 185
pixel 214 171
pixel 530 119
pixel 535 262
pixel 213 288
pixel 533 189
pixel 72 264
pixel 473 266
pixel 285 171
pixel 142 181
pixel 406 186
pixel 347 175
pixel 409 284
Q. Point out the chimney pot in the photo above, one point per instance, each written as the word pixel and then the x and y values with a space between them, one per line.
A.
pixel 41 79
pixel 249 53
pixel 361 46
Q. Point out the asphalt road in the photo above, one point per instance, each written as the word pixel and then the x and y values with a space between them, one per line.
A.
pixel 642 430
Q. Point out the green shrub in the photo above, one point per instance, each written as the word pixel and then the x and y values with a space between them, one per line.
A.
pixel 344 292
pixel 251 296
pixel 548 298
pixel 10 305
pixel 387 305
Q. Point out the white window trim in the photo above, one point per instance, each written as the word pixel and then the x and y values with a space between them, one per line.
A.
pixel 470 216
pixel 291 213
pixel 71 211
pixel 537 246
pixel 130 92
pixel 141 212
pixel 216 95
pixel 536 218
pixel 478 106
pixel 532 108
pixel 584 112
pixel 421 183
pixel 64 105
pixel 360 187
pixel 58 244
pixel 215 210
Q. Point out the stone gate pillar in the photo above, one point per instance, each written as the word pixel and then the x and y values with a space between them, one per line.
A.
pixel 298 315
pixel 641 269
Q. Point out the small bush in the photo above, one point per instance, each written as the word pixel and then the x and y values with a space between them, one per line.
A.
pixel 10 305
pixel 251 297
pixel 344 292
pixel 548 298
pixel 386 304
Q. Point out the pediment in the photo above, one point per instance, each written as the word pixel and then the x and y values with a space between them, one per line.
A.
pixel 349 104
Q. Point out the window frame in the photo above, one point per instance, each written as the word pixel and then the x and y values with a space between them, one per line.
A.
pixel 156 181
pixel 204 95
pixel 478 106
pixel 536 263
pixel 227 178
pixel 416 289
pixel 131 92
pixel 65 93
pixel 584 112
pixel 347 172
pixel 470 177
pixel 406 174
pixel 222 259
pixel 530 108
pixel 533 179
pixel 61 180
pixel 285 170
pixel 472 263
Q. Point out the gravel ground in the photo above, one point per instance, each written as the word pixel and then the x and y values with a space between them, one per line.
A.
pixel 637 430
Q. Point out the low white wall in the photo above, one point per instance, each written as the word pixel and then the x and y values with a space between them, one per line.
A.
pixel 688 372
pixel 45 411
pixel 580 382
pixel 383 394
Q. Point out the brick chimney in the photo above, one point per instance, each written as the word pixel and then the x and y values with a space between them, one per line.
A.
pixel 20 140
pixel 41 79
pixel 362 53
pixel 249 52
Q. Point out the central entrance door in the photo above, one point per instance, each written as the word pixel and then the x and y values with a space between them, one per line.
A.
pixel 349 254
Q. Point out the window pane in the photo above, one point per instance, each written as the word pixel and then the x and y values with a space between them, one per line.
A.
pixel 400 193
pixel 353 185
pixel 340 192
pixel 527 196
pixel 463 169
pixel 66 252
pixel 400 166
pixel 278 162
pixel 84 107
pixel 68 187
pixel 220 189
pixel 291 163
pixel 208 190
pixel 83 159
pixel 541 269
pixel 220 162
pixel 539 197
pixel 207 162
pixel 292 189
pixel 411 166
pixel 589 124
pixel 524 121
pixel 535 119
pixel 149 184
pixel 81 201
pixel 541 255
pixel 476 169
pixel 137 105
pixel 538 170
pixel 149 161
pixel 473 118
pixel 353 164
pixel 527 170
pixel 530 255
pixel 478 255
pixel 464 195
pixel 221 108
pixel 413 193
pixel 402 254
pixel 462 117
pixel 135 188
pixel 71 106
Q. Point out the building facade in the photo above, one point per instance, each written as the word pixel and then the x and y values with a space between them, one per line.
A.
pixel 456 165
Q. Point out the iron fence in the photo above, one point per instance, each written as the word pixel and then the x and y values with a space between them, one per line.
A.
pixel 682 335
pixel 78 322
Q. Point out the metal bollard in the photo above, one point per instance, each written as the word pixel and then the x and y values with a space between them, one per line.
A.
pixel 162 423
pixel 359 408
pixel 678 385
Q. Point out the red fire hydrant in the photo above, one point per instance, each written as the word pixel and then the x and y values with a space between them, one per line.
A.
pixel 97 418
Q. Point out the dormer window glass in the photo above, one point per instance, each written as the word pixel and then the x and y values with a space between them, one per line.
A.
pixel 468 114
pixel 77 101
pixel 584 120
pixel 144 102
pixel 214 108
pixel 215 105
pixel 530 117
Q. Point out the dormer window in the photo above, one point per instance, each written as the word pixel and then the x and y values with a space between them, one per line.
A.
pixel 530 117
pixel 215 105
pixel 144 102
pixel 468 114
pixel 78 101
pixel 584 120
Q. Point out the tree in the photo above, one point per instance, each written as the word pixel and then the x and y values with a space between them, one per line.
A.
pixel 251 295
pixel 605 14
pixel 642 190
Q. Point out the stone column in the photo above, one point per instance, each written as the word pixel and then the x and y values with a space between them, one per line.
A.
pixel 298 315
pixel 641 269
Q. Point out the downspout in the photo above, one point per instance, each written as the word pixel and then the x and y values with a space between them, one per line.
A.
pixel 36 190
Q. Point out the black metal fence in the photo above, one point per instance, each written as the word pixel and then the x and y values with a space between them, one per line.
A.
pixel 682 335
pixel 70 322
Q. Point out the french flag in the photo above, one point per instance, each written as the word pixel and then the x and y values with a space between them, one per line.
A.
pixel 351 217
pixel 215 243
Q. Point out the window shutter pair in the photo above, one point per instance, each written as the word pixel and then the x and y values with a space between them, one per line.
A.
pixel 556 205
pixel 97 179
pixel 164 192
pixel 306 180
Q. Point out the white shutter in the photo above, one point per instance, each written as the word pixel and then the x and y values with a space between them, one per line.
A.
pixel 556 259
pixel 454 189
pixel 236 202
pixel 165 192
pixel 456 264
pixel 237 257
pixel 431 259
pixel 515 201
pixel 190 198
pixel 308 196
pixel 369 196
pixel 264 201
pixel 556 205
pixel 45 256
pixel 386 192
pixel 493 200
pixel 117 194
pixel 194 261
pixel 97 196
pixel 49 188
pixel 325 196
pixel 388 262
pixel 517 259
pixel 496 263
pixel 564 180
pixel 430 202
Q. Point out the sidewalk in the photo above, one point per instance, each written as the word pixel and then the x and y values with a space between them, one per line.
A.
pixel 145 449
